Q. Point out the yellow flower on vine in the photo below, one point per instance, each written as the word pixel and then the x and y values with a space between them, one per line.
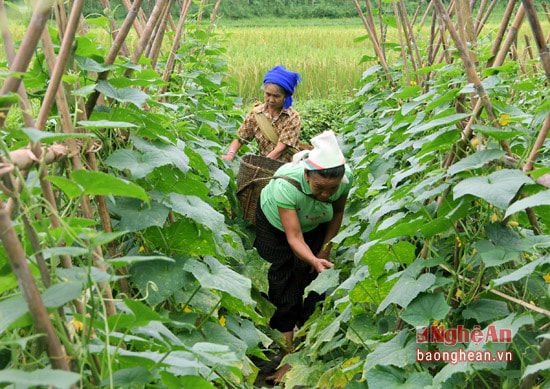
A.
pixel 494 218
pixel 76 325
pixel 458 294
pixel 222 321
pixel 458 241
pixel 513 223
pixel 546 278
pixel 504 119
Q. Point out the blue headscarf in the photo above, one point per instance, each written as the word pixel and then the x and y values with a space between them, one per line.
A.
pixel 284 78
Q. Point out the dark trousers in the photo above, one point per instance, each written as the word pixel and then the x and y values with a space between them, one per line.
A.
pixel 288 276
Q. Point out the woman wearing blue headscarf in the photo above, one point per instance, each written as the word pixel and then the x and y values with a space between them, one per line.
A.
pixel 279 84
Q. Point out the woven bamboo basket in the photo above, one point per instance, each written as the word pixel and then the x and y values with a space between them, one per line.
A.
pixel 255 172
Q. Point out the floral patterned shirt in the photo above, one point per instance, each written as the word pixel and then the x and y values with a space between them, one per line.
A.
pixel 287 125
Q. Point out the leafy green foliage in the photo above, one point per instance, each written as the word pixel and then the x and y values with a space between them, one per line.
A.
pixel 420 245
pixel 426 245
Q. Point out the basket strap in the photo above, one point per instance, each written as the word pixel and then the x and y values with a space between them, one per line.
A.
pixel 253 181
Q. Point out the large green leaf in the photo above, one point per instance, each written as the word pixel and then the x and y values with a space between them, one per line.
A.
pixel 98 183
pixel 522 272
pixel 212 274
pixel 408 286
pixel 136 215
pixel 476 160
pixel 541 198
pixel 172 153
pixel 198 210
pixel 183 237
pixel 385 379
pixel 425 308
pixel 37 135
pixel 498 188
pixel 535 368
pixel 129 378
pixel 123 95
pixel 399 352
pixel 195 382
pixel 38 378
pixel 503 245
pixel 105 124
pixel 442 121
pixel 484 310
pixel 157 280
pixel 326 280
pixel 70 188
pixel 497 133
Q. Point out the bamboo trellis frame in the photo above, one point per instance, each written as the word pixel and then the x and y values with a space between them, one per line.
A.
pixel 40 156
pixel 464 35
pixel 150 30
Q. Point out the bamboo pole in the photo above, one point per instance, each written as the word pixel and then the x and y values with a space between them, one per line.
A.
pixel 480 11
pixel 10 55
pixel 169 67
pixel 465 27
pixel 402 44
pixel 483 20
pixel 417 12
pixel 25 53
pixel 25 279
pixel 113 52
pixel 214 14
pixel 114 29
pixel 510 38
pixel 157 43
pixel 426 13
pixel 58 70
pixel 201 10
pixel 60 17
pixel 67 128
pixel 502 30
pixel 538 35
pixel 470 70
pixel 544 349
pixel 372 35
pixel 139 20
pixel 416 58
pixel 370 20
pixel 147 32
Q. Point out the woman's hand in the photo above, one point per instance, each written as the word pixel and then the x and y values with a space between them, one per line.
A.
pixel 321 264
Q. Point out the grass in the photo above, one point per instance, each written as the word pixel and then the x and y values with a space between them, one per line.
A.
pixel 324 54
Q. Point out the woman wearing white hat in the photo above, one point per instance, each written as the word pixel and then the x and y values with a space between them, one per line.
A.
pixel 300 211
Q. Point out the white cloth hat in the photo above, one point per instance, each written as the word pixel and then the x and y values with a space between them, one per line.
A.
pixel 326 153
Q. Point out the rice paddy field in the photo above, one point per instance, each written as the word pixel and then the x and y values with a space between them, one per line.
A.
pixel 325 53
pixel 330 55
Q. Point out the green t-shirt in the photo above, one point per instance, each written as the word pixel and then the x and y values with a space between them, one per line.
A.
pixel 281 193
